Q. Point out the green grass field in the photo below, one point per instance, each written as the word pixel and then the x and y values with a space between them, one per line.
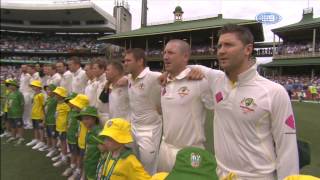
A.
pixel 24 163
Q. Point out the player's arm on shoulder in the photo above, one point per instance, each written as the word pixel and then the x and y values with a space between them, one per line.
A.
pixel 284 133
pixel 206 94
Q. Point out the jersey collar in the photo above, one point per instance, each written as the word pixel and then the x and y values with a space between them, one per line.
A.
pixel 143 73
pixel 180 76
pixel 248 74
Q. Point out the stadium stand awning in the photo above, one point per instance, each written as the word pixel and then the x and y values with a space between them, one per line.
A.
pixel 301 30
pixel 293 62
pixel 84 17
pixel 187 26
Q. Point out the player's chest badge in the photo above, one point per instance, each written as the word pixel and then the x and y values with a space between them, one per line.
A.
pixel 247 105
pixel 183 91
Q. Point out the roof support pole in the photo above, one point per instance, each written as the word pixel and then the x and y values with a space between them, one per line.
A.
pixel 125 44
pixel 190 40
pixel 212 43
pixel 314 41
pixel 164 43
pixel 147 47
pixel 274 45
pixel 130 44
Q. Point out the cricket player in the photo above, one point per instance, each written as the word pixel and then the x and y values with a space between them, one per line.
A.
pixel 27 94
pixel 79 77
pixel 117 95
pixel 183 105
pixel 254 126
pixel 144 102
pixel 66 75
pixel 98 69
pixel 91 88
pixel 54 76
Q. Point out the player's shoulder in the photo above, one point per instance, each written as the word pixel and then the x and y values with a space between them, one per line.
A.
pixel 270 86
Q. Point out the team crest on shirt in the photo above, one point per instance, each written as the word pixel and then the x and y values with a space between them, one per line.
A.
pixel 141 86
pixel 195 160
pixel 247 105
pixel 183 91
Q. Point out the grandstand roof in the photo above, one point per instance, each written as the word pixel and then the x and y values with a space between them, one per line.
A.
pixel 187 26
pixel 301 30
pixel 294 62
pixel 84 16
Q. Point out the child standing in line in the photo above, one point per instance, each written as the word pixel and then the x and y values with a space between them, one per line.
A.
pixel 15 112
pixel 62 112
pixel 37 115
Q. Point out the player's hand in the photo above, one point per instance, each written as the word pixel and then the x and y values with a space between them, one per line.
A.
pixel 163 78
pixel 122 82
pixel 195 74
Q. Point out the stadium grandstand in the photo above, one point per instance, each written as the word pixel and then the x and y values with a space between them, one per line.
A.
pixel 43 33
pixel 296 60
pixel 201 34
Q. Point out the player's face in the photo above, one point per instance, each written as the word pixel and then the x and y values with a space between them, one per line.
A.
pixel 130 63
pixel 60 68
pixel 232 53
pixel 48 71
pixel 111 73
pixel 72 66
pixel 24 68
pixel 174 60
pixel 89 71
pixel 97 71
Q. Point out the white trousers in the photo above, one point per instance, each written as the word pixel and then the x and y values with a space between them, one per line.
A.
pixel 146 146
pixel 224 174
pixel 103 118
pixel 27 108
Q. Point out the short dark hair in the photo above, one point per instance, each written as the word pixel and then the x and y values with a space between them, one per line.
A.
pixel 138 53
pixel 75 60
pixel 243 33
pixel 117 65
pixel 62 62
pixel 102 63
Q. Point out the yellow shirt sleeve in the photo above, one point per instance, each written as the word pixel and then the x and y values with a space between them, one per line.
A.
pixel 62 112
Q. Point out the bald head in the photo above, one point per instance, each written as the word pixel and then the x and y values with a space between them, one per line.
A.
pixel 183 46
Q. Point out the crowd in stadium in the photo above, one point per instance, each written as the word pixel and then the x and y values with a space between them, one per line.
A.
pixel 297 48
pixel 47 43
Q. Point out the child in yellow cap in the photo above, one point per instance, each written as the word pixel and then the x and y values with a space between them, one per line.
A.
pixel 37 115
pixel 62 112
pixel 118 162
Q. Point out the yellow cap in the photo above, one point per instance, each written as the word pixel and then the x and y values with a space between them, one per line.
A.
pixel 36 83
pixel 80 101
pixel 160 176
pixel 118 129
pixel 61 91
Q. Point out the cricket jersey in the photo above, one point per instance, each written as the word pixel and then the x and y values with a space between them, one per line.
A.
pixel 54 79
pixel 15 104
pixel 184 105
pixel 50 110
pixel 62 112
pixel 119 102
pixel 92 153
pixel 144 99
pixel 91 91
pixel 103 108
pixel 254 127
pixel 25 83
pixel 79 81
pixel 37 111
pixel 125 167
pixel 73 125
pixel 66 81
